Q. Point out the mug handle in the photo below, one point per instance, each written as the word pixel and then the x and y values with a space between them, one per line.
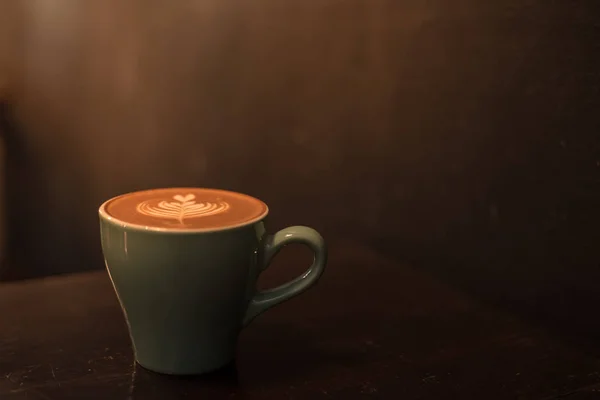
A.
pixel 266 299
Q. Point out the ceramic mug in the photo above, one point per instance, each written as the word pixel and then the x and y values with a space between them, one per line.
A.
pixel 187 290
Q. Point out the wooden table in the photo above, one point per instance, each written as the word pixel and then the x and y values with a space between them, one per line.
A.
pixel 372 328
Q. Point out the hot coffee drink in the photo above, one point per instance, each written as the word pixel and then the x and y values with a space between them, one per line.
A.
pixel 184 263
pixel 186 208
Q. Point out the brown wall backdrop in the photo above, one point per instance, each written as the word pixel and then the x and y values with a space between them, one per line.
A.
pixel 461 136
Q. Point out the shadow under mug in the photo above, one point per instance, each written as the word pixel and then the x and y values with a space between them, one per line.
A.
pixel 186 295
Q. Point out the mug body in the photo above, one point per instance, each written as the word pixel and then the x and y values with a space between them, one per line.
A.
pixel 184 294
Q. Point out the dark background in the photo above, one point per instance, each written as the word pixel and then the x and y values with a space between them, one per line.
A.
pixel 462 137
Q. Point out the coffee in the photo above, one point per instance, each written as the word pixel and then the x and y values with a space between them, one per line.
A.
pixel 186 208
pixel 186 283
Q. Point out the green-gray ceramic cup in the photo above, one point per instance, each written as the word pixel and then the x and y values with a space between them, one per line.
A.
pixel 186 294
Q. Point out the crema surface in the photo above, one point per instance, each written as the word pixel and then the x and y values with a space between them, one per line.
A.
pixel 186 208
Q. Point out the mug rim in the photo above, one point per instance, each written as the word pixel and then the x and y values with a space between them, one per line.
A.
pixel 105 216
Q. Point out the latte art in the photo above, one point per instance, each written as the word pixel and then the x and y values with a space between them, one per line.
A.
pixel 183 207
